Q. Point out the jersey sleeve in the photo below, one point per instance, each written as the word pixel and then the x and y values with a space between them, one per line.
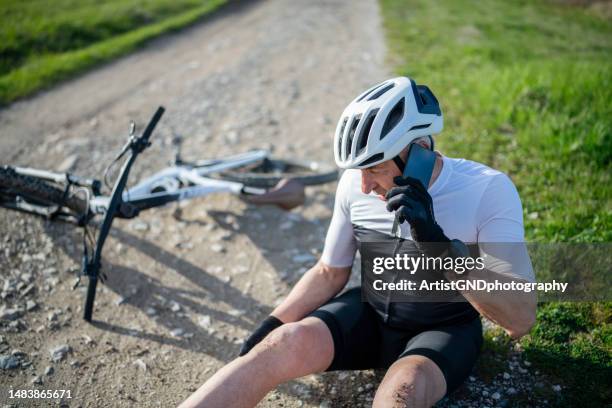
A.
pixel 340 243
pixel 501 234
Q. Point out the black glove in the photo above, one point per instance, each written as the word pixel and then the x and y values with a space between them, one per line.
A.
pixel 270 323
pixel 411 202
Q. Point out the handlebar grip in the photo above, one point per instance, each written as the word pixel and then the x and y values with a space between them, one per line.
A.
pixel 152 123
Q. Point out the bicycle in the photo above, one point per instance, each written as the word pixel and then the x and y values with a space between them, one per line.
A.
pixel 254 176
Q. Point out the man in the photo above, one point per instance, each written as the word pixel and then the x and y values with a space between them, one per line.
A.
pixel 428 348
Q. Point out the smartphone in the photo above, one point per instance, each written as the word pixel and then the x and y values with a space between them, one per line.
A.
pixel 420 164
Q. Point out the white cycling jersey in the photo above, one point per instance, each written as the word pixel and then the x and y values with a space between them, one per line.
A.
pixel 472 202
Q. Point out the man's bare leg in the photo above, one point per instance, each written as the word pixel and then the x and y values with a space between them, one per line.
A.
pixel 411 382
pixel 291 351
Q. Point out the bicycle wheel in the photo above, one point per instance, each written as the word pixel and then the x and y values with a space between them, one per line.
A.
pixel 35 191
pixel 268 172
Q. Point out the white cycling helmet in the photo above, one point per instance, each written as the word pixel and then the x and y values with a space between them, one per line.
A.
pixel 383 120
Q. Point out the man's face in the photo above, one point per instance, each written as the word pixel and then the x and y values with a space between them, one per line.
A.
pixel 379 178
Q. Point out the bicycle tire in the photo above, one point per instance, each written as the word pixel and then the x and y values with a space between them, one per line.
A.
pixel 268 172
pixel 35 189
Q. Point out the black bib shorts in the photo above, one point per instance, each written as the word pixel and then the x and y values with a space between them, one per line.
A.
pixel 363 341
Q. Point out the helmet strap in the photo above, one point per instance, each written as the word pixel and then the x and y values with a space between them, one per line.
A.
pixel 399 163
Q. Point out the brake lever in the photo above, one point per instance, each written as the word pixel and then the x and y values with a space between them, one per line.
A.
pixel 177 140
pixel 138 144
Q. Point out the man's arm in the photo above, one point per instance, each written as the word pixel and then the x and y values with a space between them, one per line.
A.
pixel 514 311
pixel 501 243
pixel 322 281
pixel 500 237
pixel 315 287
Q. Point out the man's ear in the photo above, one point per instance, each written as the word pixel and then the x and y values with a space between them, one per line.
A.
pixel 404 154
pixel 423 144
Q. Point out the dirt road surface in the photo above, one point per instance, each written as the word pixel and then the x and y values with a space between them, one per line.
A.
pixel 186 282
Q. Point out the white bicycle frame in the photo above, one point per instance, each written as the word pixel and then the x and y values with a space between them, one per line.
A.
pixel 168 181
pixel 179 182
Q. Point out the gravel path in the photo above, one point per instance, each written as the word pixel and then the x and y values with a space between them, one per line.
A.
pixel 187 282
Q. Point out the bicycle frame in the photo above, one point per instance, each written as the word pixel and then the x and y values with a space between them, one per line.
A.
pixel 167 182
pixel 178 182
pixel 144 194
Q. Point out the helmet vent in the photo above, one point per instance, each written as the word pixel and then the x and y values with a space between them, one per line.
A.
pixel 369 91
pixel 426 102
pixel 341 133
pixel 422 95
pixel 396 114
pixel 343 126
pixel 351 135
pixel 365 131
pixel 415 127
pixel 381 91
pixel 372 159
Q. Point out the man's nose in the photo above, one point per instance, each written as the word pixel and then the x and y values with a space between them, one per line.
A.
pixel 367 183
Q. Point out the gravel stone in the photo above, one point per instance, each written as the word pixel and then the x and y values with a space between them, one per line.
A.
pixel 140 226
pixel 31 305
pixel 47 272
pixel 217 248
pixel 10 314
pixel 177 332
pixel 8 362
pixel 205 321
pixel 59 353
pixel 140 364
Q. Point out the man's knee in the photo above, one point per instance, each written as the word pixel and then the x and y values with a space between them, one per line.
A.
pixel 408 382
pixel 413 381
pixel 300 347
pixel 290 337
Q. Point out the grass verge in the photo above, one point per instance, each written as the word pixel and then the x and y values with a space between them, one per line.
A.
pixel 526 88
pixel 41 45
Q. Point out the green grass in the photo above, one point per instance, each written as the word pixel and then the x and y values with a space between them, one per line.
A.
pixel 526 87
pixel 42 43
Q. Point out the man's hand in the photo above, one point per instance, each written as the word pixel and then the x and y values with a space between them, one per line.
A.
pixel 270 323
pixel 411 202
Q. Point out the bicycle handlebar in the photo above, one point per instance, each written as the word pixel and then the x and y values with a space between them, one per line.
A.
pixel 91 267
pixel 151 126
